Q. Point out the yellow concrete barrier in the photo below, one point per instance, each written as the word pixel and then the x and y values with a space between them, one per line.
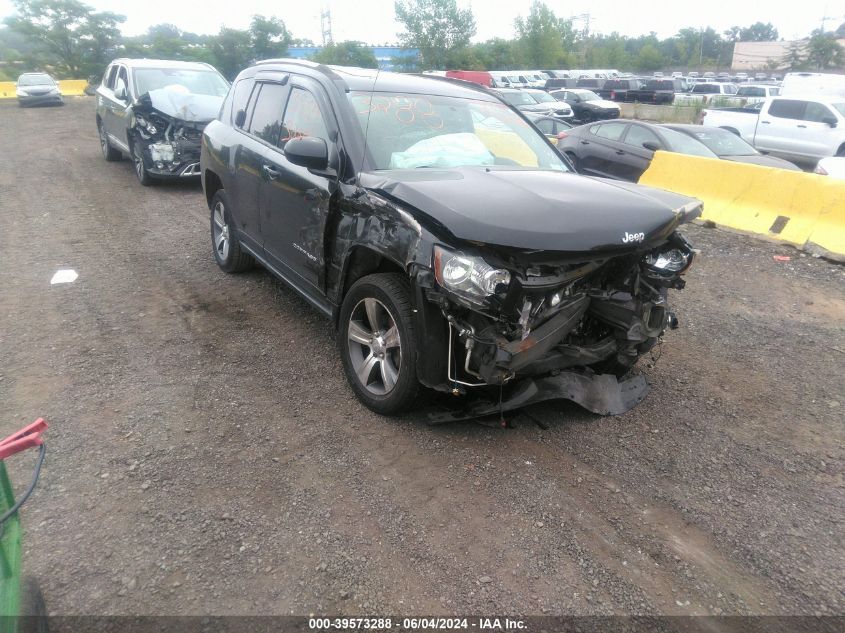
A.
pixel 807 210
pixel 69 88
pixel 72 87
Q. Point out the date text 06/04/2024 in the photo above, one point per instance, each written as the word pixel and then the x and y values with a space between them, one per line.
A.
pixel 415 624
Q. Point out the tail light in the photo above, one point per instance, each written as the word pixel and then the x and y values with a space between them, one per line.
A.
pixel 561 135
pixel 613 95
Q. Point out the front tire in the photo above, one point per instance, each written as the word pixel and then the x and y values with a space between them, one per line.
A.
pixel 227 250
pixel 378 344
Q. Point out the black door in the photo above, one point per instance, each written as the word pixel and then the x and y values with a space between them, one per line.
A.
pixel 260 127
pixel 599 148
pixel 294 201
pixel 636 157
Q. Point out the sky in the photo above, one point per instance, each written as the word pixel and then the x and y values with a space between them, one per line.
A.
pixel 373 21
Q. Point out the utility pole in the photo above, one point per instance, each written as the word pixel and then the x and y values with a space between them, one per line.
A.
pixel 326 24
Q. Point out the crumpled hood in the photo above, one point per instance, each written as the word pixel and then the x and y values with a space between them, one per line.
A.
pixel 536 209
pixel 187 107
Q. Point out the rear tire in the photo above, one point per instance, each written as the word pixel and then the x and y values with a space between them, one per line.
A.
pixel 109 153
pixel 227 250
pixel 377 343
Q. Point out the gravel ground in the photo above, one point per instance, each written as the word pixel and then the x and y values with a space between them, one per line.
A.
pixel 206 456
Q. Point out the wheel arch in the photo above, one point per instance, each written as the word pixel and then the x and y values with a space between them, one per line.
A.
pixel 212 184
pixel 362 260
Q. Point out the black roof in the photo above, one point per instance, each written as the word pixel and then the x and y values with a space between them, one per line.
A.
pixel 368 79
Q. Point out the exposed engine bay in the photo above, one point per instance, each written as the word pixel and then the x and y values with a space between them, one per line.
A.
pixel 168 126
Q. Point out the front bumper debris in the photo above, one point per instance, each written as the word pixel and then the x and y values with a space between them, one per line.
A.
pixel 603 394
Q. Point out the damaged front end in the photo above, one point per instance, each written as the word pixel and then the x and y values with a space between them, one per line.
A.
pixel 541 328
pixel 168 128
pixel 171 148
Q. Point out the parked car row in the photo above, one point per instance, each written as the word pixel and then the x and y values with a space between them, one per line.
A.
pixel 451 243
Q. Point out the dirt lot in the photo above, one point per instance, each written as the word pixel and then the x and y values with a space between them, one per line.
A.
pixel 206 456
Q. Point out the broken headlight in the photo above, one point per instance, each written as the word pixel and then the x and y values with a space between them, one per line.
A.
pixel 672 261
pixel 673 258
pixel 145 125
pixel 468 277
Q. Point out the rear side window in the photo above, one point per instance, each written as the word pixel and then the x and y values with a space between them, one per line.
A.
pixel 817 112
pixel 240 96
pixel 610 131
pixel 546 126
pixel 266 120
pixel 787 108
pixel 303 117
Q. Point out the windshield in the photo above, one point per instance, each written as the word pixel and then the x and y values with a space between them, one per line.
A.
pixel 200 82
pixel 588 95
pixel 411 131
pixel 723 143
pixel 840 107
pixel 35 80
pixel 518 98
pixel 541 97
pixel 683 144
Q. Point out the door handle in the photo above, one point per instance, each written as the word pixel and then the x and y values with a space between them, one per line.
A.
pixel 585 142
pixel 765 122
pixel 804 126
pixel 271 173
pixel 620 152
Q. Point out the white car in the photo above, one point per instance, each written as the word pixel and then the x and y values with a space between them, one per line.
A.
pixel 833 166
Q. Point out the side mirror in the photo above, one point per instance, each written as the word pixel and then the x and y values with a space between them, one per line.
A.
pixel 651 145
pixel 240 118
pixel 831 121
pixel 308 151
pixel 120 90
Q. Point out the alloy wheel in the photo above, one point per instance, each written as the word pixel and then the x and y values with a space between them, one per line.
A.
pixel 375 347
pixel 221 233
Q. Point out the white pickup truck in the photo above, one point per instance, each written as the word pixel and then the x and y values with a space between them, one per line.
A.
pixel 801 129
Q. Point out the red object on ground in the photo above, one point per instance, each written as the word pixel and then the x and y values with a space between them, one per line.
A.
pixel 27 437
pixel 781 258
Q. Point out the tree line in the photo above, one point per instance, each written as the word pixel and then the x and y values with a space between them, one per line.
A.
pixel 72 39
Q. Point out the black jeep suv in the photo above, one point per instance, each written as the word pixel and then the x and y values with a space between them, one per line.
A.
pixel 444 235
pixel 154 111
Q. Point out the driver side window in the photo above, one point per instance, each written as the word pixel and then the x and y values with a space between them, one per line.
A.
pixel 303 117
pixel 122 77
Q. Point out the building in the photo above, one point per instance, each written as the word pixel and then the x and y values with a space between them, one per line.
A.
pixel 765 55
pixel 387 56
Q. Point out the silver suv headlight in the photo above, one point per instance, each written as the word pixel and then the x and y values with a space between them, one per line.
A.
pixel 468 277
